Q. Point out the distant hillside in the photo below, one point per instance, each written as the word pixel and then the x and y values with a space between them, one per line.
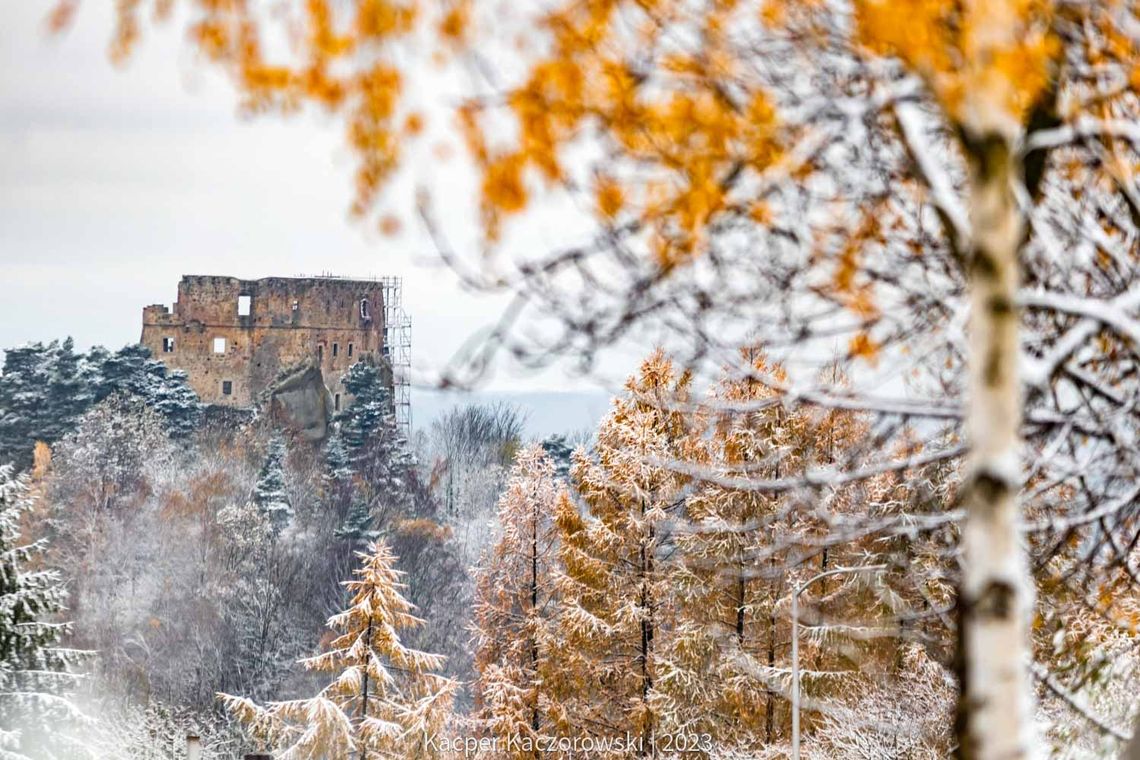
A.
pixel 547 412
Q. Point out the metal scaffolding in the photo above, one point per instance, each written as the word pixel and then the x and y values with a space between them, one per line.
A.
pixel 398 349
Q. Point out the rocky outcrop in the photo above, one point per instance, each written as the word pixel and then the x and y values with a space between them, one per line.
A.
pixel 299 400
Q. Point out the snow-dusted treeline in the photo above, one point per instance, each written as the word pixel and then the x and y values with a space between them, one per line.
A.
pixel 190 561
pixel 45 388
pixel 651 595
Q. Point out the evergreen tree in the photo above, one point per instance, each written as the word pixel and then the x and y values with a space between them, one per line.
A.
pixel 384 699
pixel 131 370
pixel 371 406
pixel 513 608
pixel 357 527
pixel 45 389
pixel 560 454
pixel 353 512
pixel 269 494
pixel 35 677
pixel 338 467
pixel 68 392
pixel 377 453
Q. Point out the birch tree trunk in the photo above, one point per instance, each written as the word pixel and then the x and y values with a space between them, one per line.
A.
pixel 995 713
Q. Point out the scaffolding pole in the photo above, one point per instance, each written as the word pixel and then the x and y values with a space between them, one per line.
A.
pixel 398 348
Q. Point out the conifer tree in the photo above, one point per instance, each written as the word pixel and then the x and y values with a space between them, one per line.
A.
pixel 269 495
pixel 370 408
pixel 560 453
pixel 726 658
pixel 46 389
pixel 35 672
pixel 338 469
pixel 340 496
pixel 376 451
pixel 43 390
pixel 132 371
pixel 384 699
pixel 514 605
pixel 617 581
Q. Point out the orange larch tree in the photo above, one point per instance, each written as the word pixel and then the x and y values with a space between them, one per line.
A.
pixel 514 611
pixel 616 585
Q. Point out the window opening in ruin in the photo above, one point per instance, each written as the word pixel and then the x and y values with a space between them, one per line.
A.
pixel 364 309
pixel 227 387
pixel 320 354
pixel 350 350
pixel 244 303
pixel 168 345
pixel 296 304
pixel 219 345
pixel 336 349
pixel 336 402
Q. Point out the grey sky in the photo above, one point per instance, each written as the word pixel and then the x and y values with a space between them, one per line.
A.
pixel 115 182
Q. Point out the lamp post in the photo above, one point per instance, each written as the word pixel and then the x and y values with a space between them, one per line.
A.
pixel 796 591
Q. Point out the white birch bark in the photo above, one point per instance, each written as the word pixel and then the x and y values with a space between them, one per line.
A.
pixel 996 592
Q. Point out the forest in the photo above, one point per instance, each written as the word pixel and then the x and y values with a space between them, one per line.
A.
pixel 172 571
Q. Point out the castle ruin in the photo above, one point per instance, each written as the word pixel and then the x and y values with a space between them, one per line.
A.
pixel 235 337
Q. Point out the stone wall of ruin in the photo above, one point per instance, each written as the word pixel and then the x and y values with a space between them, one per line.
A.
pixel 290 320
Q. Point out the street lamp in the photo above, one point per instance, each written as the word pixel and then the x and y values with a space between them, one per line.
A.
pixel 796 591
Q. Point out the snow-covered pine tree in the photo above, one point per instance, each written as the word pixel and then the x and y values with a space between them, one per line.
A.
pixel 36 715
pixel 43 390
pixel 131 370
pixel 46 389
pixel 68 390
pixel 370 409
pixel 560 453
pixel 339 486
pixel 617 583
pixel 357 526
pixel 377 451
pixel 338 468
pixel 269 494
pixel 384 699
pixel 170 395
pixel 514 606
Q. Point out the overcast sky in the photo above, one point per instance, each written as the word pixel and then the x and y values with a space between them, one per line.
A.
pixel 115 182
